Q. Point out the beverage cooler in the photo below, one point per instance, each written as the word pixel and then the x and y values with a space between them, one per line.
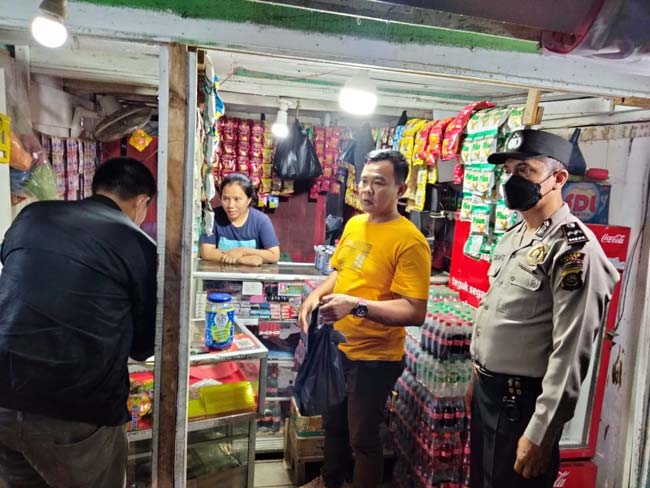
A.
pixel 578 443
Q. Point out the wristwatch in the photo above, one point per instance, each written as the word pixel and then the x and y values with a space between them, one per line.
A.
pixel 360 310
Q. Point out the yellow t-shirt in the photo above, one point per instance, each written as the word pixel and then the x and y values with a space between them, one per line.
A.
pixel 379 262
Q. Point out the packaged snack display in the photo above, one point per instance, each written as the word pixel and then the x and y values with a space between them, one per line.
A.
pixel 453 132
pixel 421 143
pixel 434 144
pixel 327 142
pixel 243 147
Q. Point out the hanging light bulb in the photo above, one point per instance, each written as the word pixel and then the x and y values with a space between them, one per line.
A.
pixel 280 129
pixel 359 95
pixel 48 26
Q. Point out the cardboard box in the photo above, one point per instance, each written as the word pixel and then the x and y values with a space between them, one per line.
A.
pixel 588 201
pixel 305 426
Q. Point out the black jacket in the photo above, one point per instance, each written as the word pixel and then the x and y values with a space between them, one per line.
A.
pixel 77 298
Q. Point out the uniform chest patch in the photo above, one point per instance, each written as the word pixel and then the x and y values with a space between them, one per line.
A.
pixel 537 254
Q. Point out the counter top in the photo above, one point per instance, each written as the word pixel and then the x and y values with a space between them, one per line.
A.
pixel 207 270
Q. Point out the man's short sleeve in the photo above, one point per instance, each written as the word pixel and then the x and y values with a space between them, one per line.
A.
pixel 413 270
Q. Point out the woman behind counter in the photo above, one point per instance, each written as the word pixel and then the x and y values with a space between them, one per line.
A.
pixel 241 235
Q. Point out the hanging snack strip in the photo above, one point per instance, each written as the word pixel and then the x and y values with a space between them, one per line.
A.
pixel 483 203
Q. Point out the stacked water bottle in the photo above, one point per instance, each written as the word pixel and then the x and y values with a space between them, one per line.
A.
pixel 431 423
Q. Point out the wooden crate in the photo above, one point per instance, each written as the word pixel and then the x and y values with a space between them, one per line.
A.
pixel 299 452
pixel 306 426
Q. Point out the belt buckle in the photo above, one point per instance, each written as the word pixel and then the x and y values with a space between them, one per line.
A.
pixel 480 370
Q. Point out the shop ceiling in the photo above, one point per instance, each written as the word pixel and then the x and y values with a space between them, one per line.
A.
pixel 257 82
pixel 277 30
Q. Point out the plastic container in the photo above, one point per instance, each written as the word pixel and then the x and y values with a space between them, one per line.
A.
pixel 219 321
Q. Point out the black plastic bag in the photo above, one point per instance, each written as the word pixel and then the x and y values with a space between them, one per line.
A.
pixel 295 157
pixel 320 383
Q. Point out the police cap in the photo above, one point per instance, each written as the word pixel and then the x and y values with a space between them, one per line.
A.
pixel 528 143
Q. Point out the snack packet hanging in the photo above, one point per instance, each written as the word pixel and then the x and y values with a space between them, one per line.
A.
pixel 434 144
pixel 432 174
pixel 453 132
pixel 501 217
pixel 466 207
pixel 481 219
pixel 486 180
pixel 421 143
pixel 474 245
pixel 515 119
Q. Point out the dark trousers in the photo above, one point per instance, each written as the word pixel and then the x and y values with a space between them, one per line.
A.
pixel 43 452
pixel 496 428
pixel 353 426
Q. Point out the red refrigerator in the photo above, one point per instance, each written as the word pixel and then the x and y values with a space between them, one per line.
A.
pixel 578 444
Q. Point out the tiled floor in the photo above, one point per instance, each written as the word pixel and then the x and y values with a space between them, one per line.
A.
pixel 271 474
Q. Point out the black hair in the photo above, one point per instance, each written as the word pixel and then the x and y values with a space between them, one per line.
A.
pixel 244 182
pixel 396 158
pixel 124 177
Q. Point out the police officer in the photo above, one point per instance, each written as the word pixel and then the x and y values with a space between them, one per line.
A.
pixel 550 283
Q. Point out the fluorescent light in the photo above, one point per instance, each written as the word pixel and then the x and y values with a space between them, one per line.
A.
pixel 359 95
pixel 280 129
pixel 48 26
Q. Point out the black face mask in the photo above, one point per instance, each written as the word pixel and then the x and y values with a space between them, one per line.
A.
pixel 521 194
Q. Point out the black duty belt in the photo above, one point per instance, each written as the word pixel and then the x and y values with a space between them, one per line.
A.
pixel 513 389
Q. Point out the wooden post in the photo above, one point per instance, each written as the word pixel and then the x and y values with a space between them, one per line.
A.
pixel 171 342
pixel 533 112
pixel 633 102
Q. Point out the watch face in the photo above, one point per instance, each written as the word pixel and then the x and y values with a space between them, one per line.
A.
pixel 361 311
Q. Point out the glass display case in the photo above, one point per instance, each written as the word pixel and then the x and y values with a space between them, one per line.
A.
pixel 226 393
pixel 267 300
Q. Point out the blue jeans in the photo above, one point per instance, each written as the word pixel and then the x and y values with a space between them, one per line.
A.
pixel 39 452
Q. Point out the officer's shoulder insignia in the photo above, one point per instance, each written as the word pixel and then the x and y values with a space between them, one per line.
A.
pixel 574 234
pixel 541 232
pixel 571 264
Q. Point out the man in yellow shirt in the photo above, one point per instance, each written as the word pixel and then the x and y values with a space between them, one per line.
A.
pixel 379 285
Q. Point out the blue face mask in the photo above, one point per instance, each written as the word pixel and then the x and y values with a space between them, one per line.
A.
pixel 522 194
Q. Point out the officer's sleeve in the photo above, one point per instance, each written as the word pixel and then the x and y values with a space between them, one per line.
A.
pixel 583 281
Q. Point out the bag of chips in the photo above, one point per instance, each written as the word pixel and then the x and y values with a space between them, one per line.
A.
pixel 453 132
pixel 466 207
pixel 516 119
pixel 481 213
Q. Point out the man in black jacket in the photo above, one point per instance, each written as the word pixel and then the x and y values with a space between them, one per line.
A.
pixel 77 298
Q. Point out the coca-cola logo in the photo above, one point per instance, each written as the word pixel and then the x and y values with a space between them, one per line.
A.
pixel 613 239
pixel 562 477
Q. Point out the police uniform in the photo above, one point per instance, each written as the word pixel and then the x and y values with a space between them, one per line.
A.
pixel 533 338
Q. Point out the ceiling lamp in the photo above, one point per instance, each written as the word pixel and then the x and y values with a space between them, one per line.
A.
pixel 280 129
pixel 48 26
pixel 359 95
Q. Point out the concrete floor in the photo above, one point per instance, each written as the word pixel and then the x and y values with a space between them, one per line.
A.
pixel 271 474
